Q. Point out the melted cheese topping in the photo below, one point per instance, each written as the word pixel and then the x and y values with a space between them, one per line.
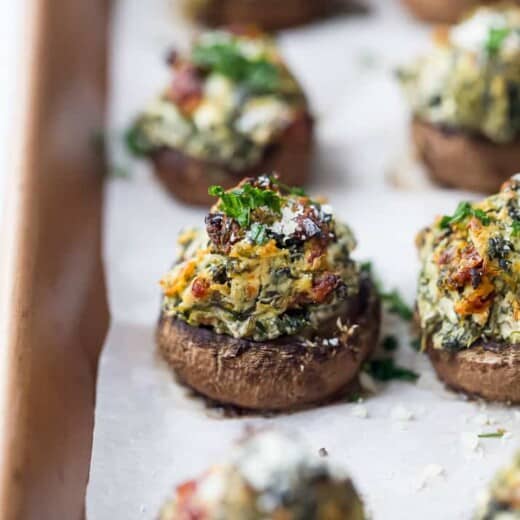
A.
pixel 470 81
pixel 469 285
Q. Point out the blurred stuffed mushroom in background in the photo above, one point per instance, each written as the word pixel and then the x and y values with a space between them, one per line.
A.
pixel 268 476
pixel 502 500
pixel 268 14
pixel 444 11
pixel 468 297
pixel 265 308
pixel 465 99
pixel 232 110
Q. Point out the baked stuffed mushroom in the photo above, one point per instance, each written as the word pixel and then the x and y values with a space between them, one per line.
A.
pixel 269 476
pixel 465 98
pixel 265 308
pixel 469 295
pixel 502 501
pixel 268 14
pixel 232 110
pixel 442 11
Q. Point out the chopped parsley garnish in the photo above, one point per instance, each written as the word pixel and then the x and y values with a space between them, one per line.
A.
pixel 136 141
pixel 390 343
pixel 516 228
pixel 493 435
pixel 258 75
pixel 463 211
pixel 293 190
pixel 387 370
pixel 258 233
pixel 239 202
pixel 366 267
pixel 496 38
pixel 395 304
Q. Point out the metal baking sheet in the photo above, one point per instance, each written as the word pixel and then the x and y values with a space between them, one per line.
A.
pixel 416 454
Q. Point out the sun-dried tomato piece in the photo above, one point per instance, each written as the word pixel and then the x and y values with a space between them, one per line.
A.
pixel 187 87
pixel 468 268
pixel 199 287
pixel 222 231
pixel 324 285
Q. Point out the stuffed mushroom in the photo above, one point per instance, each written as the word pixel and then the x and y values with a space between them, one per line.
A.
pixel 269 476
pixel 443 11
pixel 268 14
pixel 232 110
pixel 265 308
pixel 465 99
pixel 469 295
pixel 502 501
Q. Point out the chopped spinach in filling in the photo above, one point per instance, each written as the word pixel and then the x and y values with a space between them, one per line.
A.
pixel 271 262
pixel 470 80
pixel 230 98
pixel 469 284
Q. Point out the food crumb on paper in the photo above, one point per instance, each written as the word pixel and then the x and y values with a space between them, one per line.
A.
pixel 430 473
pixel 401 414
pixel 360 411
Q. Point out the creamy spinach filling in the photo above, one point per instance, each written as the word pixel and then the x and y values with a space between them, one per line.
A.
pixel 469 283
pixel 470 80
pixel 279 266
pixel 231 97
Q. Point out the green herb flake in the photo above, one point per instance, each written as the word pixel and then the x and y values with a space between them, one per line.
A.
pixel 395 304
pixel 496 38
pixel 416 344
pixel 493 435
pixel 292 190
pixel 258 233
pixel 516 228
pixel 136 142
pixel 366 267
pixel 390 343
pixel 259 75
pixel 463 211
pixel 239 203
pixel 387 370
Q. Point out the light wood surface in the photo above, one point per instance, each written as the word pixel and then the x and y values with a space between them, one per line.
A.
pixel 54 314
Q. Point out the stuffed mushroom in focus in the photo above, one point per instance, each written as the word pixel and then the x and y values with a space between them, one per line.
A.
pixel 232 110
pixel 465 99
pixel 265 308
pixel 269 476
pixel 469 295
pixel 502 501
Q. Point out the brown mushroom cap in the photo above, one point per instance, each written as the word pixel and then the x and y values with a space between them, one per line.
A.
pixel 462 161
pixel 483 371
pixel 188 179
pixel 284 374
pixel 440 11
pixel 268 14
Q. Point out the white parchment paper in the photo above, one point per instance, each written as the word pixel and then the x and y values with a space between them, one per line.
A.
pixel 149 435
